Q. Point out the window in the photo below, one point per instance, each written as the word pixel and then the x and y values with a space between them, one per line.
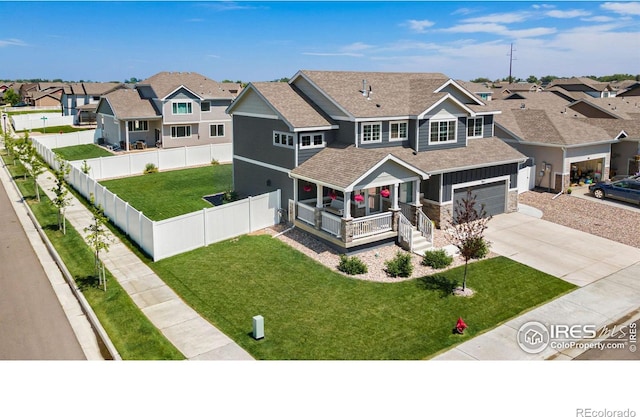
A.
pixel 216 130
pixel 398 130
pixel 180 131
pixel 205 106
pixel 312 141
pixel 371 132
pixel 182 108
pixel 443 131
pixel 474 127
pixel 137 126
pixel 283 139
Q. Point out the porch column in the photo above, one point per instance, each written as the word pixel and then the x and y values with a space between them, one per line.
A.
pixel 416 192
pixel 347 205
pixel 319 190
pixel 394 198
pixel 126 135
pixel 318 208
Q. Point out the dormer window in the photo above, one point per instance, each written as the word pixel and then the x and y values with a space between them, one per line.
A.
pixel 398 131
pixel 442 131
pixel 312 141
pixel 474 127
pixel 182 107
pixel 371 132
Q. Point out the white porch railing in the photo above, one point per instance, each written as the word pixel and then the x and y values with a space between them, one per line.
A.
pixel 425 226
pixel 331 224
pixel 307 214
pixel 371 225
pixel 405 231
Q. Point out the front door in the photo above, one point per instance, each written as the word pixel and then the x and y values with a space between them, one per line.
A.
pixel 374 201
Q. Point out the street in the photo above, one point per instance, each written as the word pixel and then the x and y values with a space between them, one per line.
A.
pixel 33 324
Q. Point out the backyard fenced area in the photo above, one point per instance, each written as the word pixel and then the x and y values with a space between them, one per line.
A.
pixel 162 239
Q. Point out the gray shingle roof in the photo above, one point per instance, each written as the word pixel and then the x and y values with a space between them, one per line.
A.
pixel 164 83
pixel 391 94
pixel 127 104
pixel 342 167
pixel 297 111
pixel 546 118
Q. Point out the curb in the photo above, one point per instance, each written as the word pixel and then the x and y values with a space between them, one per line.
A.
pixel 99 331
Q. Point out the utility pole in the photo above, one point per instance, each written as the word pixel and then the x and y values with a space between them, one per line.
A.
pixel 510 63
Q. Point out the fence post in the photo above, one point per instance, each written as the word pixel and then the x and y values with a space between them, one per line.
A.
pixel 115 209
pixel 126 217
pixel 204 226
pixel 140 228
pixel 250 226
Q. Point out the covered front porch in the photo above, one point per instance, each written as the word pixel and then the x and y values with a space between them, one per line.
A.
pixel 382 204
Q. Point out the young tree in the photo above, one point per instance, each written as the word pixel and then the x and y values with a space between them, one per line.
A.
pixel 33 165
pixel 11 97
pixel 466 231
pixel 98 239
pixel 61 200
pixel 9 144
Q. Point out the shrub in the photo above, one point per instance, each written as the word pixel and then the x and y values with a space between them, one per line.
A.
pixel 150 168
pixel 437 259
pixel 214 162
pixel 351 265
pixel 400 266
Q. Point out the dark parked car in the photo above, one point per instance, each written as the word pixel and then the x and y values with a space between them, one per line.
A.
pixel 625 190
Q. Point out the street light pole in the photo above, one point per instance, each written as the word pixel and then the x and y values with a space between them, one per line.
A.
pixel 4 122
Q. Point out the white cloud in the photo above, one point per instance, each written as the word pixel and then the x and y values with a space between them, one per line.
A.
pixel 567 14
pixel 11 42
pixel 599 19
pixel 419 26
pixel 543 6
pixel 632 8
pixel 332 54
pixel 500 30
pixel 514 17
pixel 356 46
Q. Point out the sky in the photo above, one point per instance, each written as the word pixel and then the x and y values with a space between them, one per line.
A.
pixel 263 40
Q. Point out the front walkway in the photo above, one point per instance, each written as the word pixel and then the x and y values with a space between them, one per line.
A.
pixel 195 337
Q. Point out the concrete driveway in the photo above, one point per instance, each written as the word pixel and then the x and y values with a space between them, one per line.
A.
pixel 574 256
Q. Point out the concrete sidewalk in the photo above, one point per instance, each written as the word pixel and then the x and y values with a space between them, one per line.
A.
pixel 607 272
pixel 195 337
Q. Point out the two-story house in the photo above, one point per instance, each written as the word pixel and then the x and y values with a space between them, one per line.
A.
pixel 357 155
pixel 81 99
pixel 168 110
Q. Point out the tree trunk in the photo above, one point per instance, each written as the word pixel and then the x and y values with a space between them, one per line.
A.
pixel 464 280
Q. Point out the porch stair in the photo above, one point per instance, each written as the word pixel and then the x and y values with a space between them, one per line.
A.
pixel 420 243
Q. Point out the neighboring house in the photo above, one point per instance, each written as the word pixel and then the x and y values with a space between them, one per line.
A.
pixel 41 94
pixel 632 89
pixel 482 90
pixel 583 85
pixel 566 142
pixel 506 89
pixel 169 109
pixel 81 99
pixel 357 154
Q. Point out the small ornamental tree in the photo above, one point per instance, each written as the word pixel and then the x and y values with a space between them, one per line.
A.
pixel 466 231
pixel 9 145
pixel 98 240
pixel 61 199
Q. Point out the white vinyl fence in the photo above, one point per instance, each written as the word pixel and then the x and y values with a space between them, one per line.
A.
pixel 39 120
pixel 162 239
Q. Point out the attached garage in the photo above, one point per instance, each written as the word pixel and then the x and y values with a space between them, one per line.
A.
pixel 492 195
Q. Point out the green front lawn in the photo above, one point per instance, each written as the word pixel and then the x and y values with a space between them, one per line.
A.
pixel 133 335
pixel 81 152
pixel 312 312
pixel 48 130
pixel 171 193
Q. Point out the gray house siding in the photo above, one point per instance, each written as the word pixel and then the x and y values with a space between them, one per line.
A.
pixel 345 133
pixel 253 139
pixel 305 154
pixel 104 108
pixel 487 130
pixel 476 174
pixel 250 180
pixel 423 136
pixel 431 188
